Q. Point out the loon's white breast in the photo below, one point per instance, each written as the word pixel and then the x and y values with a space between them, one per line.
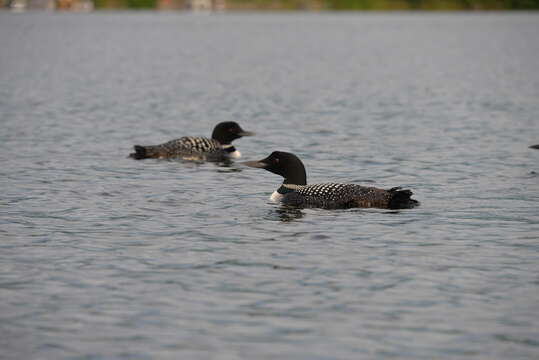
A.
pixel 276 197
pixel 235 154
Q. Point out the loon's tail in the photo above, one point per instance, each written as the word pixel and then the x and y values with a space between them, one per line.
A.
pixel 142 152
pixel 400 199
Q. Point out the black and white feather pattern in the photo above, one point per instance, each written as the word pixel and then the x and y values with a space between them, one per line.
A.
pixel 295 191
pixel 187 147
pixel 329 191
pixel 217 148
pixel 336 195
pixel 193 144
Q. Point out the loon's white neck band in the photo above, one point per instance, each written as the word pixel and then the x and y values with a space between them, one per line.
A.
pixel 293 186
pixel 278 194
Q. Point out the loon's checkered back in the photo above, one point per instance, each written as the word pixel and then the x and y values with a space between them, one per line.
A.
pixel 295 191
pixel 216 148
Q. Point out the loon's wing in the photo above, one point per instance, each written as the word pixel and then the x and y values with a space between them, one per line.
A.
pixel 186 146
pixel 195 144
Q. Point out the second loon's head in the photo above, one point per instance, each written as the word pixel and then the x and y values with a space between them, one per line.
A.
pixel 228 131
pixel 285 164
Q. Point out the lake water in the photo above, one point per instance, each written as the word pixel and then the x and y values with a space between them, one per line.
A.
pixel 105 257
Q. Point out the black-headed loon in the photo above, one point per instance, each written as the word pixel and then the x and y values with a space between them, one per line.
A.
pixel 218 148
pixel 295 191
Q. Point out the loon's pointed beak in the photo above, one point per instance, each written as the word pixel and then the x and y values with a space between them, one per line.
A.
pixel 534 147
pixel 246 133
pixel 256 164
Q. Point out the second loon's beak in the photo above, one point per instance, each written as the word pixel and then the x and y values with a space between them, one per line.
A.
pixel 246 133
pixel 256 164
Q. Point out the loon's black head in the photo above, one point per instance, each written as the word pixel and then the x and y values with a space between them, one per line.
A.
pixel 285 164
pixel 228 131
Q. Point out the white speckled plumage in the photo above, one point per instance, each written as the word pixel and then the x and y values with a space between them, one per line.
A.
pixel 216 148
pixel 295 191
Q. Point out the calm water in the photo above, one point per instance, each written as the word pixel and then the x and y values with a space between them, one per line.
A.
pixel 104 257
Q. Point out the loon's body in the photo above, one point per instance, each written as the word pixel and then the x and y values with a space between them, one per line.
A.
pixel 295 191
pixel 217 148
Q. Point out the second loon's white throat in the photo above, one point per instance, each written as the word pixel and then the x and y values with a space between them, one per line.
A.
pixel 276 197
pixel 235 154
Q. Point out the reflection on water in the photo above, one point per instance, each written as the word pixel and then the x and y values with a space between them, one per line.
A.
pixel 285 214
pixel 228 166
pixel 224 166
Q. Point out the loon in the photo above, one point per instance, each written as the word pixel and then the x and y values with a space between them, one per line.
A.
pixel 217 148
pixel 295 191
pixel 534 147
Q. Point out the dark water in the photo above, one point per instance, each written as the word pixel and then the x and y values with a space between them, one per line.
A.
pixel 104 257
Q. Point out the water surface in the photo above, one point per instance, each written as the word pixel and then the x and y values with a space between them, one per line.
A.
pixel 104 257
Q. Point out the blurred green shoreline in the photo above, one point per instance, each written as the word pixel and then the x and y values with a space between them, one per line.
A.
pixel 363 5
pixel 280 5
pixel 327 4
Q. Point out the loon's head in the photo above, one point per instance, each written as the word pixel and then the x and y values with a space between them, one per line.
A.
pixel 228 131
pixel 285 164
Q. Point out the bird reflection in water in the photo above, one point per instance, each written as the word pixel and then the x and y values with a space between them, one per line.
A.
pixel 286 213
pixel 227 166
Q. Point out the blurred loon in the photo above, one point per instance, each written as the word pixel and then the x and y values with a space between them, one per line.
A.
pixel 217 148
pixel 534 147
pixel 295 191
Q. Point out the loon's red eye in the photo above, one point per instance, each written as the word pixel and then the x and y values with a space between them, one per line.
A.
pixel 276 160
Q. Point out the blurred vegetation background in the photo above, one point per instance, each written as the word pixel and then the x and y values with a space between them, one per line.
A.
pixel 331 4
pixel 277 5
pixel 432 4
